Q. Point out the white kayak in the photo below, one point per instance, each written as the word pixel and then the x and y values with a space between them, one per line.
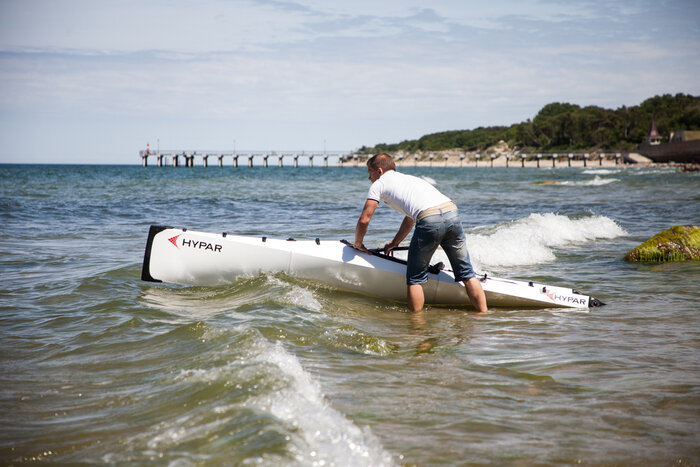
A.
pixel 188 257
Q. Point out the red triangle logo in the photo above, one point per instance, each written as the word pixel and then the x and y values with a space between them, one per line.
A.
pixel 173 240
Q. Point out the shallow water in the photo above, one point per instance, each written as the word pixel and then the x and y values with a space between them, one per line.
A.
pixel 100 367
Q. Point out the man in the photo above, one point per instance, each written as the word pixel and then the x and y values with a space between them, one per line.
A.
pixel 437 224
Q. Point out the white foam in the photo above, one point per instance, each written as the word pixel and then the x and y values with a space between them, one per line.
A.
pixel 601 171
pixel 330 438
pixel 327 436
pixel 302 298
pixel 595 181
pixel 650 170
pixel 534 239
pixel 530 240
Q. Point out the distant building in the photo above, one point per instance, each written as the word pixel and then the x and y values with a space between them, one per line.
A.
pixel 682 146
pixel 684 135
pixel 653 137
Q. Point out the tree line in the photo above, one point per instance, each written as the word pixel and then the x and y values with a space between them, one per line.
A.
pixel 562 126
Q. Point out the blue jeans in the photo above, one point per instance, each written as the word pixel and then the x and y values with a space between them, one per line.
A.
pixel 443 230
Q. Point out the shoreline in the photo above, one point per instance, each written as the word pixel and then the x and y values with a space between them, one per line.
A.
pixel 513 162
pixel 516 162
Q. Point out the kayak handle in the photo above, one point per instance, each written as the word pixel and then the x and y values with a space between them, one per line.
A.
pixel 433 268
pixel 381 250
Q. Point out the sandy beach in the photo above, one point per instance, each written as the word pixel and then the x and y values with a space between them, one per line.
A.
pixel 452 159
pixel 513 161
pixel 504 158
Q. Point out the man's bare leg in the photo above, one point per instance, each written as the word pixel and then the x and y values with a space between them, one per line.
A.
pixel 416 298
pixel 476 294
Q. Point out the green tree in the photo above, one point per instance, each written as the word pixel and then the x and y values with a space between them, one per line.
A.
pixel 564 126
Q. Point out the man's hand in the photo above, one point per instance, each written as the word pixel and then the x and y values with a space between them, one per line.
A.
pixel 404 230
pixel 361 247
pixel 389 247
pixel 363 224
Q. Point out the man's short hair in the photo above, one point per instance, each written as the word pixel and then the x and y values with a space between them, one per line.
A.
pixel 381 161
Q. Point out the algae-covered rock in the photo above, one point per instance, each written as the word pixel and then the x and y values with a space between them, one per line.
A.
pixel 679 243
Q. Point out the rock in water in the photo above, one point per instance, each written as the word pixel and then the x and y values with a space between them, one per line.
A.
pixel 679 243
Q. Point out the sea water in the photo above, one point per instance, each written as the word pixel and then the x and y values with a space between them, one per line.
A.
pixel 100 367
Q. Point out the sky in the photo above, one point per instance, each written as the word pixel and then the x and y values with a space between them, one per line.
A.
pixel 94 81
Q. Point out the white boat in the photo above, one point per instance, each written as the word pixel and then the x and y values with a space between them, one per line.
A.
pixel 188 257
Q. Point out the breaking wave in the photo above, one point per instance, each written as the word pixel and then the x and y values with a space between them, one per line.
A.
pixel 595 181
pixel 534 239
pixel 267 387
pixel 329 437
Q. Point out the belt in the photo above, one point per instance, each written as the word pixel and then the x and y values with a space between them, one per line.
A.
pixel 440 209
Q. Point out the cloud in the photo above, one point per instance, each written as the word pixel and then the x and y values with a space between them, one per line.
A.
pixel 292 73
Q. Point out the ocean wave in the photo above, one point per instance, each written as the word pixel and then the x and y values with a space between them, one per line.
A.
pixel 206 302
pixel 264 384
pixel 296 296
pixel 347 338
pixel 595 181
pixel 328 436
pixel 601 171
pixel 534 239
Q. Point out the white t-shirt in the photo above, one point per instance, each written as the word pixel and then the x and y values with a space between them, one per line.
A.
pixel 406 194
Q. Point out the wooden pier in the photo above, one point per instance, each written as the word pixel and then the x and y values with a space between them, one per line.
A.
pixel 194 158
pixel 340 159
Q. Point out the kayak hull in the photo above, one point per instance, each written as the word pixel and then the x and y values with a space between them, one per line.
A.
pixel 189 257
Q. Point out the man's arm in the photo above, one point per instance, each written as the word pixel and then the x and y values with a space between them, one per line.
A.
pixel 363 223
pixel 404 229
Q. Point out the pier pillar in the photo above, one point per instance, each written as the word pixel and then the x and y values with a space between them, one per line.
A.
pixel 617 158
pixel 235 161
pixel 415 160
pixel 522 157
pixel 296 161
pixel 493 156
pixel 461 160
pixel 325 160
pixel 265 160
pixel 160 160
pixel 221 160
pixel 250 160
pixel 279 160
pixel 554 159
pixel 446 157
pixel 585 159
pixel 431 159
pixel 601 156
pixel 204 160
pixel 539 158
pixel 571 156
pixel 476 160
pixel 311 160
pixel 354 158
pixel 144 160
pixel 507 160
